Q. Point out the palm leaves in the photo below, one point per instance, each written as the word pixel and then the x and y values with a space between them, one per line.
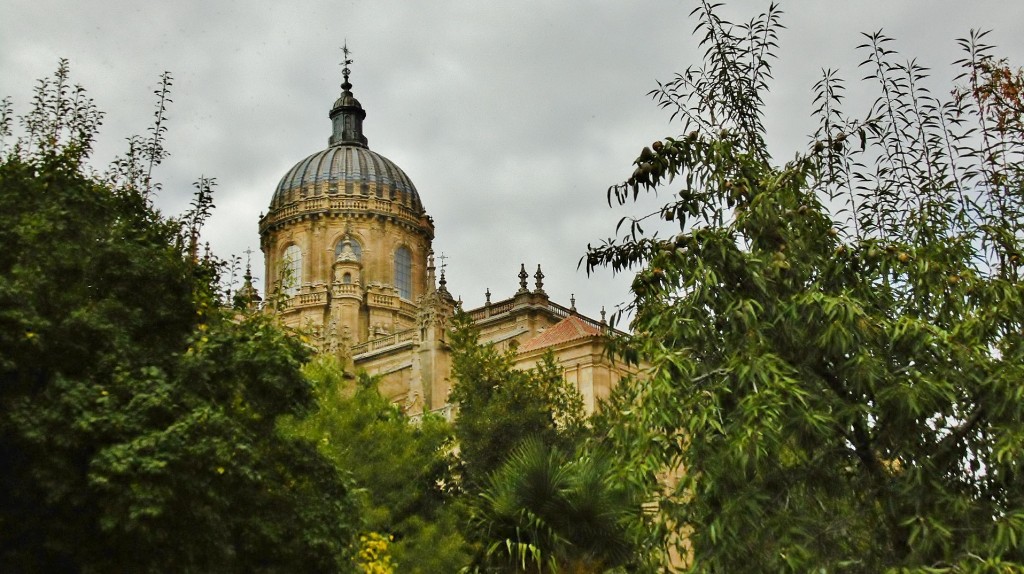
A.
pixel 545 511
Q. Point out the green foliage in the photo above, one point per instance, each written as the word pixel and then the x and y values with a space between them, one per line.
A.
pixel 139 429
pixel 402 468
pixel 545 511
pixel 835 343
pixel 541 496
pixel 63 120
pixel 500 407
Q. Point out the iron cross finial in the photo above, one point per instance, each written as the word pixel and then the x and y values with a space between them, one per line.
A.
pixel 443 259
pixel 248 259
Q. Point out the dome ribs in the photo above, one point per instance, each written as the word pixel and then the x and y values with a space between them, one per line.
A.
pixel 346 174
pixel 350 171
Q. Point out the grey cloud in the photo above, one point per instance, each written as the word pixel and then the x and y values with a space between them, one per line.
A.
pixel 511 118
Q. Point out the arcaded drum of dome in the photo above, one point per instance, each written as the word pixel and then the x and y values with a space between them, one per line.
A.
pixel 346 170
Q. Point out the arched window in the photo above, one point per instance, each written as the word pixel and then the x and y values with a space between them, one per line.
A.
pixel 347 279
pixel 356 248
pixel 403 272
pixel 291 270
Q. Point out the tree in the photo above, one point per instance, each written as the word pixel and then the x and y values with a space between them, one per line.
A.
pixel 541 493
pixel 548 511
pixel 834 342
pixel 139 429
pixel 402 468
pixel 499 407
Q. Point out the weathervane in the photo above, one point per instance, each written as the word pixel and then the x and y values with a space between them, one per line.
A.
pixel 443 257
pixel 344 70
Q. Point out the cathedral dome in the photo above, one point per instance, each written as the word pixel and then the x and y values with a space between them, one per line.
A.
pixel 346 239
pixel 345 178
pixel 346 170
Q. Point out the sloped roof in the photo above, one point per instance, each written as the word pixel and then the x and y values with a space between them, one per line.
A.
pixel 569 329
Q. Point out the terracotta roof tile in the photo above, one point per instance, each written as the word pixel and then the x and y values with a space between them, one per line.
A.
pixel 569 329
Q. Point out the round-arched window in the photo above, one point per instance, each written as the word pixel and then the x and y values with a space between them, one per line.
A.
pixel 403 272
pixel 291 270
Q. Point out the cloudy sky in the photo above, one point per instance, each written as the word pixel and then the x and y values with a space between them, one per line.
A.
pixel 512 118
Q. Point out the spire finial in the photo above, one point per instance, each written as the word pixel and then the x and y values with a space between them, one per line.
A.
pixel 347 114
pixel 539 276
pixel 248 264
pixel 444 264
pixel 442 282
pixel 523 275
pixel 572 302
pixel 487 294
pixel 431 283
pixel 247 297
pixel 603 321
pixel 345 71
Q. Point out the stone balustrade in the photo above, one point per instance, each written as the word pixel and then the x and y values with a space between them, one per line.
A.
pixel 345 290
pixel 314 298
pixel 382 300
pixel 384 342
pixel 334 204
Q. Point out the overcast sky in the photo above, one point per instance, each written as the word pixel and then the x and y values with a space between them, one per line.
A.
pixel 511 118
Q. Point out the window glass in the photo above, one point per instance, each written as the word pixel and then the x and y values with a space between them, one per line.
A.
pixel 292 276
pixel 403 272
